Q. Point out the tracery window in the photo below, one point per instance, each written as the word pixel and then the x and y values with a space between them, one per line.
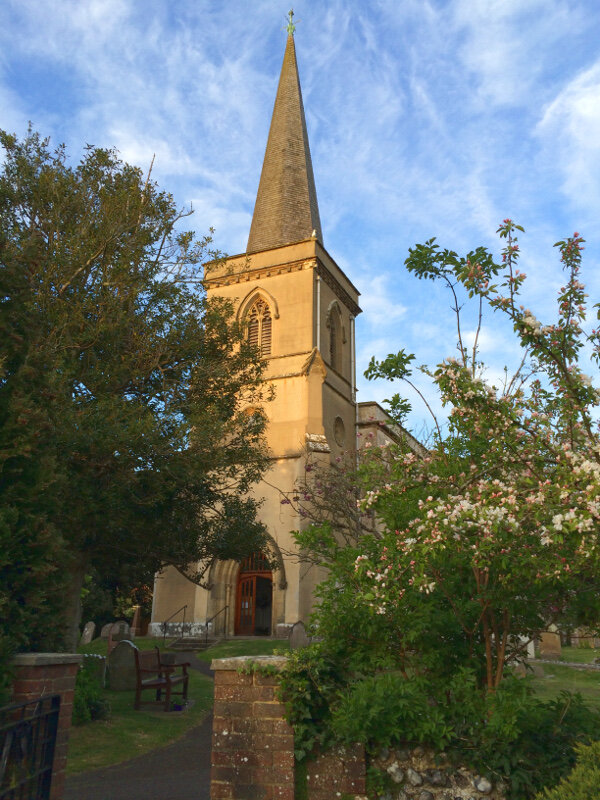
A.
pixel 259 327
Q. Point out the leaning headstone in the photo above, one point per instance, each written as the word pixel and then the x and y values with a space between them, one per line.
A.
pixel 550 644
pixel 89 629
pixel 121 667
pixel 298 637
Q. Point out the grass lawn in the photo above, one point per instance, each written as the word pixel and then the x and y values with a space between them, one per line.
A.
pixel 243 647
pixel 258 646
pixel 129 733
pixel 557 677
pixel 579 655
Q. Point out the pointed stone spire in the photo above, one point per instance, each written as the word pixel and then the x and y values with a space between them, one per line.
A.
pixel 286 208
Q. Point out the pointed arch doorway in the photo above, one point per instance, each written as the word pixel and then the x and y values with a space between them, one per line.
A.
pixel 254 597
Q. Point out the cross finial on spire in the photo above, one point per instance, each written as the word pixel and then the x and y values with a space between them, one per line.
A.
pixel 290 26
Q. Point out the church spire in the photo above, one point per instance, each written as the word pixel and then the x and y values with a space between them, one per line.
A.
pixel 286 208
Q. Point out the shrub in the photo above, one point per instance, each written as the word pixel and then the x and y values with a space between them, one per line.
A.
pixel 308 685
pixel 507 735
pixel 89 702
pixel 383 708
pixel 542 749
pixel 584 781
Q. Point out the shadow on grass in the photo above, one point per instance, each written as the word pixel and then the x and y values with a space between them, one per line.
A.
pixel 129 733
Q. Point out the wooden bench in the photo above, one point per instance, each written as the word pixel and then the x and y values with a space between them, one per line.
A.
pixel 152 673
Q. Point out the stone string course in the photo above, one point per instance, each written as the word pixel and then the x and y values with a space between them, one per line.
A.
pixel 419 775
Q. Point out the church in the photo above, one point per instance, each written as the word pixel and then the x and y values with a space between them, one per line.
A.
pixel 299 308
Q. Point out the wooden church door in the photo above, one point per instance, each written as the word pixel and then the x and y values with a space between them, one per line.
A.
pixel 254 597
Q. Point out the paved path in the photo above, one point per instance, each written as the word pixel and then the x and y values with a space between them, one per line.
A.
pixel 180 771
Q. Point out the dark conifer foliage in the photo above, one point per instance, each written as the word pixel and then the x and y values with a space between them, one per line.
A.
pixel 123 442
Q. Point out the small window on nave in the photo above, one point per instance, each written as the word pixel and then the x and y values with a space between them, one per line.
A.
pixel 335 340
pixel 259 327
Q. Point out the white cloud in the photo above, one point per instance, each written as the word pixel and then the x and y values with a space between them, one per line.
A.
pixel 509 43
pixel 570 133
pixel 379 306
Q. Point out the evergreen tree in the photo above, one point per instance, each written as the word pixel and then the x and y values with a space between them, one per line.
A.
pixel 123 441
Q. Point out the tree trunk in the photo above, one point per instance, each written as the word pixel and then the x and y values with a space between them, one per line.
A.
pixel 72 612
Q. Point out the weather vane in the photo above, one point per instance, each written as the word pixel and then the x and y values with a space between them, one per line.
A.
pixel 290 26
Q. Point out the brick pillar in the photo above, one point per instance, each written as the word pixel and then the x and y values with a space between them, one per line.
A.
pixel 37 674
pixel 252 745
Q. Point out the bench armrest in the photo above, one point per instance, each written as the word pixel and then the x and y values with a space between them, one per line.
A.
pixel 173 667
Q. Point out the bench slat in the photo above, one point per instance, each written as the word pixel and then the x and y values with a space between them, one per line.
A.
pixel 148 662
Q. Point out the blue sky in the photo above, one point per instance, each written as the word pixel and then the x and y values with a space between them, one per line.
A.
pixel 425 119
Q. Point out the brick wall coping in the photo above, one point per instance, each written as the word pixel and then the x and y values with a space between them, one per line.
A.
pixel 45 659
pixel 243 662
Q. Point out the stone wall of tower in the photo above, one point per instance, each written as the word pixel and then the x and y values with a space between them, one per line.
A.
pixel 312 402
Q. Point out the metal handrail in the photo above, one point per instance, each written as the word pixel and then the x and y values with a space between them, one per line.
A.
pixel 214 616
pixel 163 625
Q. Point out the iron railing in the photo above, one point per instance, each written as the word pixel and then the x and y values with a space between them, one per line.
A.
pixel 165 625
pixel 27 742
pixel 214 616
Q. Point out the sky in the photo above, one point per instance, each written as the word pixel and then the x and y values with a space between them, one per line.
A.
pixel 425 118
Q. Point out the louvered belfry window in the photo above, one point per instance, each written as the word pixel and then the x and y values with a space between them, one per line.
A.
pixel 259 327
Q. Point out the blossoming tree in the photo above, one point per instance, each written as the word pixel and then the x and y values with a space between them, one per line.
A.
pixel 496 529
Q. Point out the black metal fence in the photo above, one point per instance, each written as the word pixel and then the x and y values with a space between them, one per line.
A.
pixel 27 740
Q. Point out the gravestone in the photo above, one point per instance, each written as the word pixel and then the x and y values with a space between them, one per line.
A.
pixel 117 633
pixel 136 622
pixel 121 667
pixel 104 632
pixel 298 637
pixel 550 644
pixel 584 637
pixel 89 629
pixel 120 630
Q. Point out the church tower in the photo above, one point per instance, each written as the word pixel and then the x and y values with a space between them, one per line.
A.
pixel 299 308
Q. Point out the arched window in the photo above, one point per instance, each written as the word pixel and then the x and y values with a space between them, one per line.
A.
pixel 259 327
pixel 335 339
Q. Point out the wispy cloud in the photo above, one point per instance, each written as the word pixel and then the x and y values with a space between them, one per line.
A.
pixel 569 130
pixel 426 118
